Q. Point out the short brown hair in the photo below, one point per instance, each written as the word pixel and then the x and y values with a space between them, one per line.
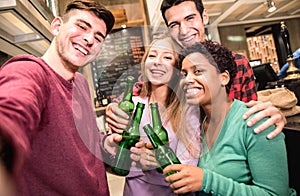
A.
pixel 97 8
pixel 167 4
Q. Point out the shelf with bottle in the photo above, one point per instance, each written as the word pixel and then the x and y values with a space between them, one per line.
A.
pixel 263 48
pixel 102 100
pixel 98 105
pixel 97 109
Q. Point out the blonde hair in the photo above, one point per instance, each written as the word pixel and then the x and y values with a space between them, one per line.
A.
pixel 175 111
pixel 146 89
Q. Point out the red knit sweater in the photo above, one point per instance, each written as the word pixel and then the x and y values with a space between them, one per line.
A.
pixel 51 125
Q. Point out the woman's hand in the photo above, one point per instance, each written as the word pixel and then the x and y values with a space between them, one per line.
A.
pixel 187 179
pixel 116 118
pixel 265 109
pixel 143 157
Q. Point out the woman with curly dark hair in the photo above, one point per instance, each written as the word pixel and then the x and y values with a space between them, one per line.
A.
pixel 234 160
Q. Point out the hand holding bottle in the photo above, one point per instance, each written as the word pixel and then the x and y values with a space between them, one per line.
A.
pixel 188 178
pixel 163 153
pixel 130 137
pixel 116 118
pixel 142 156
pixel 111 143
pixel 118 114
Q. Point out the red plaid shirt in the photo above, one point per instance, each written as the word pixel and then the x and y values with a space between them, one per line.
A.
pixel 243 87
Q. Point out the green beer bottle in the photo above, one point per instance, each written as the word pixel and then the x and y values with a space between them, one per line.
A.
pixel 158 128
pixel 130 137
pixel 163 153
pixel 126 104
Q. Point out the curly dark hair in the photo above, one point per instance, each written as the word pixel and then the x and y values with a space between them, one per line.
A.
pixel 97 8
pixel 217 54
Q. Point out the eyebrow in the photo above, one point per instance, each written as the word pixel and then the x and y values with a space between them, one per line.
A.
pixel 191 67
pixel 193 14
pixel 173 22
pixel 89 25
pixel 198 64
pixel 185 18
pixel 161 50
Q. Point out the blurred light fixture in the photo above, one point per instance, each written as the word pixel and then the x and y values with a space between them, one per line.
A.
pixel 271 6
pixel 120 18
pixel 23 29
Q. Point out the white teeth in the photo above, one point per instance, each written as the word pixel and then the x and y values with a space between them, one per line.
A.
pixel 157 72
pixel 83 51
pixel 192 91
pixel 188 39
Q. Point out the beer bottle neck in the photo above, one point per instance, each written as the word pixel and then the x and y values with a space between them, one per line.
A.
pixel 128 92
pixel 137 116
pixel 156 120
pixel 154 139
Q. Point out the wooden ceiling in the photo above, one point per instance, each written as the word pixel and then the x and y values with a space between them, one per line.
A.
pixel 238 12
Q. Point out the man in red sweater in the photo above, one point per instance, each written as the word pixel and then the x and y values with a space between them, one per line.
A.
pixel 50 143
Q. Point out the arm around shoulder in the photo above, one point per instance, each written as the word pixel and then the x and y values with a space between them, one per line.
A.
pixel 265 109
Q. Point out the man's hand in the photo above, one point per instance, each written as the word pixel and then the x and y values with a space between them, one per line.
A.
pixel 264 110
pixel 116 118
pixel 111 143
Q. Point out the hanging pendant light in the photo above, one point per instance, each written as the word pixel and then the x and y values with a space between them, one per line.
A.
pixel 271 6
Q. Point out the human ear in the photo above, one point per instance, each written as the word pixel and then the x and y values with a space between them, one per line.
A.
pixel 205 17
pixel 225 77
pixel 55 25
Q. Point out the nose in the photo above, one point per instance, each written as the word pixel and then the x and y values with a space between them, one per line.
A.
pixel 158 60
pixel 89 38
pixel 183 28
pixel 189 78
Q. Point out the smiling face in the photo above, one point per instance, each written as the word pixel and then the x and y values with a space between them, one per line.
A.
pixel 201 81
pixel 160 62
pixel 78 38
pixel 185 23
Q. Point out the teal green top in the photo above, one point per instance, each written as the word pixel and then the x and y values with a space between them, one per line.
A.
pixel 242 162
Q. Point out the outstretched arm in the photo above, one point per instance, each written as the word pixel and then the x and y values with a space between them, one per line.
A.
pixel 265 109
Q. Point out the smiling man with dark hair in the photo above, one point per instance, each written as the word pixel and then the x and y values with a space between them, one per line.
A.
pixel 47 119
